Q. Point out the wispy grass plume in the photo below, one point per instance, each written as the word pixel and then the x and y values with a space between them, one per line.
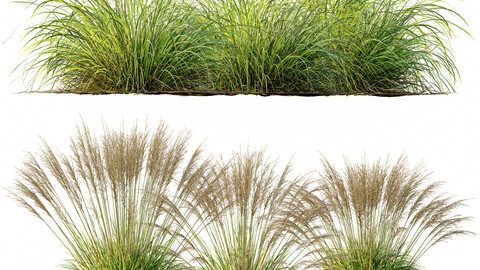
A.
pixel 381 216
pixel 241 217
pixel 111 201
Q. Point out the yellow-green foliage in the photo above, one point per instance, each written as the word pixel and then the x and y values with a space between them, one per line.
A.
pixel 242 46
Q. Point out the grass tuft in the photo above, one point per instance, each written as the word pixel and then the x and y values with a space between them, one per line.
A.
pixel 121 46
pixel 391 46
pixel 266 47
pixel 241 217
pixel 111 201
pixel 381 216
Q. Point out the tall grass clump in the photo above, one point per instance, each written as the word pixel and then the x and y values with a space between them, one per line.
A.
pixel 268 47
pixel 384 47
pixel 102 46
pixel 241 217
pixel 393 46
pixel 112 201
pixel 381 216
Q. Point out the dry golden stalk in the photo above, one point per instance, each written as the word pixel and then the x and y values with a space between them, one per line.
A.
pixel 376 216
pixel 112 201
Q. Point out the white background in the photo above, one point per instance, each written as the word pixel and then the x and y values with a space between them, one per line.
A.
pixel 442 131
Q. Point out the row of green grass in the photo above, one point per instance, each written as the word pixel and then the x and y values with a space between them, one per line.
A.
pixel 138 200
pixel 322 47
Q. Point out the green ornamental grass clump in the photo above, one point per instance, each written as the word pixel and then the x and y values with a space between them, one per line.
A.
pixel 306 47
pixel 115 46
pixel 391 46
pixel 268 47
